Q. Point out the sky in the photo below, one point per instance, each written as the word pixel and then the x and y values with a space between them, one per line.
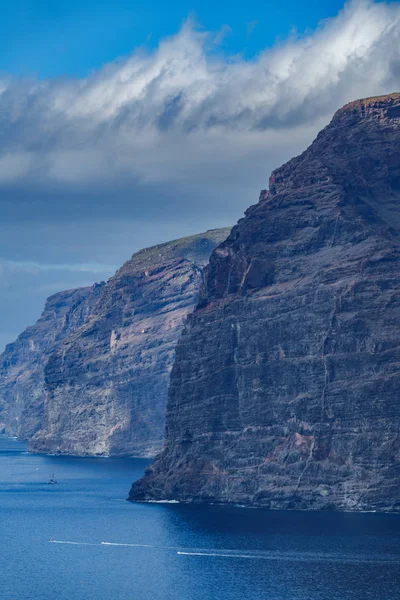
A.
pixel 125 124
pixel 49 38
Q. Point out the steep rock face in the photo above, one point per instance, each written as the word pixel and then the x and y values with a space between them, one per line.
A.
pixel 106 383
pixel 285 389
pixel 22 363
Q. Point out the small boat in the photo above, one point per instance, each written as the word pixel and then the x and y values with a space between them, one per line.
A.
pixel 52 480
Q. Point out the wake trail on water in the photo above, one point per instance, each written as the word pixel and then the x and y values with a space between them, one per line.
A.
pixel 73 543
pixel 218 554
pixel 270 555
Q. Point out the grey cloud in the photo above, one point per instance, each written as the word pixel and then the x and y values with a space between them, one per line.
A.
pixel 164 144
pixel 172 109
pixel 119 121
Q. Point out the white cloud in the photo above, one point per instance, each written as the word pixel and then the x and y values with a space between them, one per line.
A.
pixel 179 114
pixel 163 144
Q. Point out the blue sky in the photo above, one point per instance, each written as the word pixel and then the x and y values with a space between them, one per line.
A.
pixel 124 125
pixel 52 38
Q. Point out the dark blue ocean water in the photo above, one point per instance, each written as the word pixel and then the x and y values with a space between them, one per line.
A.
pixel 175 552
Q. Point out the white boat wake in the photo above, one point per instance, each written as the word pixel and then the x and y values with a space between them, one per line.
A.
pixel 182 553
pixel 271 555
pixel 73 543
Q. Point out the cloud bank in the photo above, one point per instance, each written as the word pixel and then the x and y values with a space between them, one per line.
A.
pixel 166 143
pixel 181 111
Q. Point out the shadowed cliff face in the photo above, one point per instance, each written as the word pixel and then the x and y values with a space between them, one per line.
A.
pixel 22 363
pixel 285 388
pixel 102 389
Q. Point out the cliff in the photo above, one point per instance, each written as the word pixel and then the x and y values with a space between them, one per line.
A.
pixel 22 363
pixel 105 384
pixel 285 388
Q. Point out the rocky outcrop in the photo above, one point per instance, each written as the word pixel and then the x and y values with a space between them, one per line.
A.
pixel 285 389
pixel 106 383
pixel 22 363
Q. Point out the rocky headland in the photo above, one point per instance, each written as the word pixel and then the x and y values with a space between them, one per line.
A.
pixel 285 388
pixel 23 362
pixel 91 377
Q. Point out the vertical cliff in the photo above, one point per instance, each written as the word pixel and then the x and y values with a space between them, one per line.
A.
pixel 22 363
pixel 285 388
pixel 106 383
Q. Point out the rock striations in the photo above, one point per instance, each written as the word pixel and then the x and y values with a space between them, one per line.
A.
pixel 285 389
pixel 91 377
pixel 22 363
pixel 107 383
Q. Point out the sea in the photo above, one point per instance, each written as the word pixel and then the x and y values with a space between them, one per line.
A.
pixel 81 540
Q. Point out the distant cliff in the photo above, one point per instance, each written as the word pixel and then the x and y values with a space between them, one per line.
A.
pixel 285 389
pixel 22 363
pixel 91 377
